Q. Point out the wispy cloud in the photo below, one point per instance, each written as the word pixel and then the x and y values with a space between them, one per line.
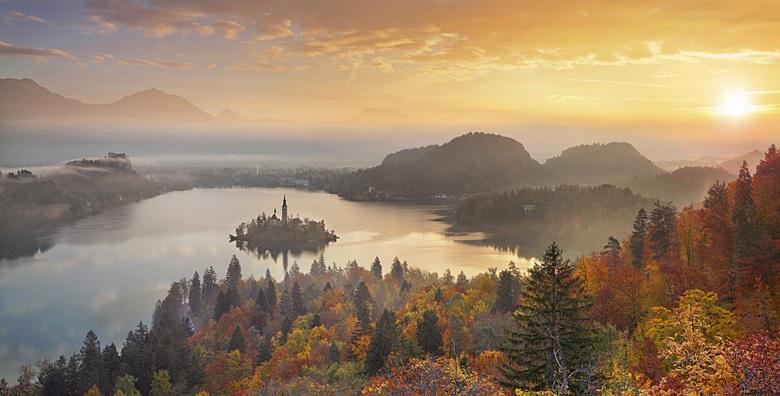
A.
pixel 38 54
pixel 18 16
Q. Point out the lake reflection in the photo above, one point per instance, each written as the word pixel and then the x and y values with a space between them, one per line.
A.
pixel 105 272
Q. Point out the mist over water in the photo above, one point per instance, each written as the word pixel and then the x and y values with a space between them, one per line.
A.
pixel 105 272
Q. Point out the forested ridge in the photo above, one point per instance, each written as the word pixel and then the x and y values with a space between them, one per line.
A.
pixel 686 303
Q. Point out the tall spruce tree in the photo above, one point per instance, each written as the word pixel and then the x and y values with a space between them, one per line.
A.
pixel 662 229
pixel 237 341
pixel 298 305
pixel 611 252
pixel 264 351
pixel 638 237
pixel 91 362
pixel 195 294
pixel 397 270
pixel 286 304
pixel 376 269
pixel 550 346
pixel 286 328
pixel 137 353
pixel 222 306
pixel 112 366
pixel 209 284
pixel 462 281
pixel 505 293
pixel 362 301
pixel 382 343
pixel 270 291
pixel 233 273
pixel 261 302
pixel 744 217
pixel 429 333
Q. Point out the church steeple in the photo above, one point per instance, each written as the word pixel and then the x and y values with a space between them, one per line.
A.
pixel 284 209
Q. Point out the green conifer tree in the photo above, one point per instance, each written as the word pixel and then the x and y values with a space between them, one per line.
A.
pixel 237 341
pixel 376 269
pixel 429 333
pixel 382 343
pixel 637 240
pixel 550 346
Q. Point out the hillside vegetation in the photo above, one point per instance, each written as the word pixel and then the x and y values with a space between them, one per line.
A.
pixel 469 163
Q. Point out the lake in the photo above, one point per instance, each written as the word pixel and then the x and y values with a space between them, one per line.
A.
pixel 105 272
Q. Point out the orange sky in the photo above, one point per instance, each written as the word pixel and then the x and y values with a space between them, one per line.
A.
pixel 439 62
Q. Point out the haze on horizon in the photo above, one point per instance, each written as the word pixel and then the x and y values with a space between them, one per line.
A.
pixel 673 77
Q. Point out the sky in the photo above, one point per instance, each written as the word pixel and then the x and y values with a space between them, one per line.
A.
pixel 708 69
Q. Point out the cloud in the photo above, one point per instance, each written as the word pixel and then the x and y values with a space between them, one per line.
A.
pixel 468 35
pixel 38 54
pixel 17 16
pixel 163 64
pixel 230 29
pixel 259 66
pixel 100 57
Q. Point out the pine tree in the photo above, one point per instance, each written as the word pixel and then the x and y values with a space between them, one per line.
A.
pixel 261 302
pixel 237 341
pixel 362 301
pixel 376 269
pixel 429 333
pixel 209 284
pixel 447 277
pixel 316 321
pixel 299 307
pixel 222 305
pixel 112 365
pixel 382 343
pixel 264 351
pixel 195 294
pixel 286 328
pixel 638 237
pixel 746 233
pixel 334 354
pixel 438 295
pixel 612 252
pixel 397 270
pixel 462 282
pixel 505 293
pixel 91 362
pixel 161 384
pixel 327 287
pixel 137 352
pixel 126 385
pixel 233 273
pixel 662 229
pixel 270 290
pixel 286 304
pixel 551 343
pixel 318 267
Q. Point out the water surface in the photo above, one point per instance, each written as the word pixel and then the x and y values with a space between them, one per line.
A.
pixel 105 272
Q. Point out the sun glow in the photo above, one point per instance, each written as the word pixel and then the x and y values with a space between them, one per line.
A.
pixel 736 105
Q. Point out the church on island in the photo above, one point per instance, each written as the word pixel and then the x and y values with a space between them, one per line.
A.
pixel 285 229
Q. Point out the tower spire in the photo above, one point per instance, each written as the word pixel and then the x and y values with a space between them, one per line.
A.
pixel 284 209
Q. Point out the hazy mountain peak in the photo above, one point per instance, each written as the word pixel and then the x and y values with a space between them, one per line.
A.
pixel 596 163
pixel 377 115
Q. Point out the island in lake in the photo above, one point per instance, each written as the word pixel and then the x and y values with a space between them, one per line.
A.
pixel 285 230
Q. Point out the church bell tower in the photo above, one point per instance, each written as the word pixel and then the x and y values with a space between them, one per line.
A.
pixel 284 210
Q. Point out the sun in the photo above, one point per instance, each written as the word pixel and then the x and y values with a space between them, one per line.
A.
pixel 736 105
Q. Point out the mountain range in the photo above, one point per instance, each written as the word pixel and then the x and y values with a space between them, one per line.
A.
pixel 25 100
pixel 481 162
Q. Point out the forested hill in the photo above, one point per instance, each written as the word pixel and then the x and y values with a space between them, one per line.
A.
pixel 683 186
pixel 600 163
pixel 33 204
pixel 468 163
